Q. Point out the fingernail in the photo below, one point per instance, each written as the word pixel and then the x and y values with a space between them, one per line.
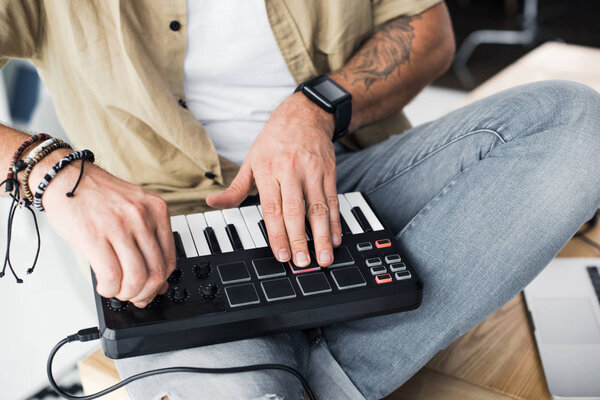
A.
pixel 301 260
pixel 336 239
pixel 284 255
pixel 326 257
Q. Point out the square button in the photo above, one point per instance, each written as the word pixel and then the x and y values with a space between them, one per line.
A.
pixel 233 273
pixel 402 275
pixel 241 295
pixel 378 270
pixel 348 278
pixel 341 257
pixel 373 262
pixel 383 278
pixel 313 266
pixel 382 243
pixel 268 268
pixel 278 289
pixel 398 267
pixel 313 284
pixel 392 258
pixel 365 246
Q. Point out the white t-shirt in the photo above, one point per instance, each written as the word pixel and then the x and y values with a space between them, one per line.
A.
pixel 234 74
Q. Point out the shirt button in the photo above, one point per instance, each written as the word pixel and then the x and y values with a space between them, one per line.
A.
pixel 182 103
pixel 210 175
pixel 175 25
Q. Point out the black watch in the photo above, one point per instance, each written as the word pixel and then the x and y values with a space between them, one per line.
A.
pixel 331 97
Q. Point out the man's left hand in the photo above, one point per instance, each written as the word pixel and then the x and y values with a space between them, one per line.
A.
pixel 292 163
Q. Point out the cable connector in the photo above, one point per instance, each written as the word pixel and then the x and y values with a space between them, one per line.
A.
pixel 85 335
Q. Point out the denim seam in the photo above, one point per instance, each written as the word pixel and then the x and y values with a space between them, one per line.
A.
pixel 295 362
pixel 430 154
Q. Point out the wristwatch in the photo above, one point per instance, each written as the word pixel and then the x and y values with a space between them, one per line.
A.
pixel 331 97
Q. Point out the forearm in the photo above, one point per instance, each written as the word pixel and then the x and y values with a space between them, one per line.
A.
pixel 11 139
pixel 396 63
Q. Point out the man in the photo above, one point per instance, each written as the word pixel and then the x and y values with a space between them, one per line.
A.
pixel 480 200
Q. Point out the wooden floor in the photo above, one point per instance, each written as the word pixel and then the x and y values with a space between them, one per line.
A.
pixel 495 360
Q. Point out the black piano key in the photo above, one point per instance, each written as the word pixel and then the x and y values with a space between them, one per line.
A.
pixel 345 229
pixel 308 229
pixel 263 229
pixel 211 238
pixel 179 249
pixel 362 220
pixel 234 238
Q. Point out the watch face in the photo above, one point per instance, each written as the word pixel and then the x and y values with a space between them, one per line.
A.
pixel 329 90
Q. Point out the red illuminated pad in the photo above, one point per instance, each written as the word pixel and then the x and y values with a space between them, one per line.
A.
pixel 383 278
pixel 313 266
pixel 381 243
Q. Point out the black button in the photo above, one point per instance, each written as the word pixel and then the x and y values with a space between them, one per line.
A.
pixel 116 304
pixel 182 103
pixel 313 284
pixel 278 289
pixel 348 278
pixel 268 268
pixel 175 26
pixel 201 270
pixel 241 295
pixel 234 272
pixel 341 257
pixel 210 175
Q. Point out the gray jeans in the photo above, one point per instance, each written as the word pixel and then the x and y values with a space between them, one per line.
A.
pixel 480 201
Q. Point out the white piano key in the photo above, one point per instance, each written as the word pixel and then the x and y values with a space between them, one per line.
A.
pixel 197 225
pixel 356 199
pixel 252 216
pixel 215 220
pixel 234 216
pixel 260 210
pixel 348 216
pixel 179 225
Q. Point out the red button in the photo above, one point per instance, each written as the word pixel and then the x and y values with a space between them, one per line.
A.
pixel 383 278
pixel 381 243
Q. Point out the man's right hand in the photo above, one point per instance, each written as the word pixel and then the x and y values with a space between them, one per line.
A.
pixel 124 231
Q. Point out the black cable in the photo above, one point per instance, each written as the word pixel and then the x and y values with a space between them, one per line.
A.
pixel 85 335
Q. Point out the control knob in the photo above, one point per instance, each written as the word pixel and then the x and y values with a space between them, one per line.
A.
pixel 202 270
pixel 116 304
pixel 178 295
pixel 209 290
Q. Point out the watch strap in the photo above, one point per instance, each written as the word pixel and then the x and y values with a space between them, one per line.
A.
pixel 343 115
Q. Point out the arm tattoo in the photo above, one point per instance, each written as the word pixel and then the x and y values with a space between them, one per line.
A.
pixel 387 51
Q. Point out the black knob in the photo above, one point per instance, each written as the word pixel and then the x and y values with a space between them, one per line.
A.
pixel 209 290
pixel 116 304
pixel 179 294
pixel 202 270
pixel 175 276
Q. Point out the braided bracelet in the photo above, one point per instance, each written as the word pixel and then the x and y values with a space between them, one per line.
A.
pixel 10 177
pixel 84 155
pixel 22 164
pixel 54 146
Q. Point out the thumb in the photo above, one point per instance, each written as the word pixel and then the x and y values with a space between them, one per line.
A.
pixel 236 192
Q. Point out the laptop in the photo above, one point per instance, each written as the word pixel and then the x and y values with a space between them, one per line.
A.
pixel 564 305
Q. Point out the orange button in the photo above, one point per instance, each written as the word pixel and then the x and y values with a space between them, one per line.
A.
pixel 381 243
pixel 383 278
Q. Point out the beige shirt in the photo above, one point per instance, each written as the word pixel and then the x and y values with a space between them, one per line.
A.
pixel 115 71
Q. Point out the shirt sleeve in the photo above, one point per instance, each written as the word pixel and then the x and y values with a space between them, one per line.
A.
pixel 20 29
pixel 387 10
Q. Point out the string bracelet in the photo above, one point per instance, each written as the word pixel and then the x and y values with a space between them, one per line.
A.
pixel 83 155
pixel 10 177
pixel 22 164
pixel 54 146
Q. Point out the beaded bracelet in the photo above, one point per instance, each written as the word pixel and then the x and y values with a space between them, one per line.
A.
pixel 10 177
pixel 84 155
pixel 54 146
pixel 22 164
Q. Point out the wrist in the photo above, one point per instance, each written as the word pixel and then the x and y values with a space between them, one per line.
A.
pixel 314 114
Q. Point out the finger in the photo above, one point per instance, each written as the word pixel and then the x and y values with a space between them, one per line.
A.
pixel 335 224
pixel 318 215
pixel 270 200
pixel 292 199
pixel 132 264
pixel 164 233
pixel 236 192
pixel 155 264
pixel 107 269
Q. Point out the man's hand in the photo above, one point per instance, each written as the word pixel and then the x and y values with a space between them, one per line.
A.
pixel 292 163
pixel 124 231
